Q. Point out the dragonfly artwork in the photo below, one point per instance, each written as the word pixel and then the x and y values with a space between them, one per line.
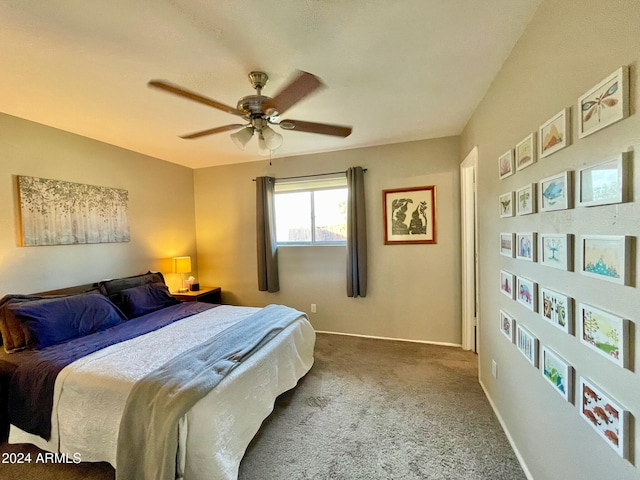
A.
pixel 604 104
pixel 597 105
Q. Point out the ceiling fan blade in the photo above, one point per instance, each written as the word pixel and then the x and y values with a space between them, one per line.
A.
pixel 211 131
pixel 169 87
pixel 311 127
pixel 302 85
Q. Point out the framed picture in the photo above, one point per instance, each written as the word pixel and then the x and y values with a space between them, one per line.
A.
pixel 527 343
pixel 604 104
pixel 605 416
pixel 526 246
pixel 557 309
pixel 555 133
pixel 507 242
pixel 505 164
pixel 556 192
pixel 526 152
pixel 409 215
pixel 606 257
pixel 507 325
pixel 506 205
pixel 603 183
pixel 557 372
pixel 526 293
pixel 526 200
pixel 605 333
pixel 556 250
pixel 507 281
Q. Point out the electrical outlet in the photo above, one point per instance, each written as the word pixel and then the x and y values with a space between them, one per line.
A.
pixel 313 308
pixel 494 369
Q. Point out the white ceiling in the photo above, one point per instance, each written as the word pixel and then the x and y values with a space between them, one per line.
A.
pixel 395 70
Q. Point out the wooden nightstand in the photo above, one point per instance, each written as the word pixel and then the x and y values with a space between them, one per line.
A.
pixel 205 294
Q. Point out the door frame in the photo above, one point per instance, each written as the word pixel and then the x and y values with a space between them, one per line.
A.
pixel 469 242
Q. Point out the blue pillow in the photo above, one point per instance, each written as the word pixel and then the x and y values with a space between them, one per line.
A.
pixel 56 320
pixel 138 301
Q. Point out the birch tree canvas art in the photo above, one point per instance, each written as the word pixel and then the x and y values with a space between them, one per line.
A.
pixel 54 212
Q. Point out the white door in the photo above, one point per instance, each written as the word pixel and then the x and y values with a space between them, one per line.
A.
pixel 468 170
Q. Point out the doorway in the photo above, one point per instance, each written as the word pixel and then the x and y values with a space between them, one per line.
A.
pixel 468 205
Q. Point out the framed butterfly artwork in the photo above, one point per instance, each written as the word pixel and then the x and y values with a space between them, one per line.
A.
pixel 604 104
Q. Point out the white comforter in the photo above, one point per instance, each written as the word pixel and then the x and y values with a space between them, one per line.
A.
pixel 90 394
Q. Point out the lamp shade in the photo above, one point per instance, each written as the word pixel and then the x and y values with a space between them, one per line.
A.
pixel 272 139
pixel 181 264
pixel 242 137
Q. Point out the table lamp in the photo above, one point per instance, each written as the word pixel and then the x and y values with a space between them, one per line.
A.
pixel 182 265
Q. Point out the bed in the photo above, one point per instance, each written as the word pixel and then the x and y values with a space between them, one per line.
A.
pixel 107 390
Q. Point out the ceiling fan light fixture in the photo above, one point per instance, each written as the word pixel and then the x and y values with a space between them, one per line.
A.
pixel 263 149
pixel 242 137
pixel 272 139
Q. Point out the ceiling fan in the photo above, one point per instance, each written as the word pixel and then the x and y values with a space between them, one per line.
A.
pixel 260 111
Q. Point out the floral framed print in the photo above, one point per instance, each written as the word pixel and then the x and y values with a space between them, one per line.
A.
pixel 409 215
pixel 507 325
pixel 605 104
pixel 603 183
pixel 507 244
pixel 526 200
pixel 507 283
pixel 527 344
pixel 555 133
pixel 526 152
pixel 526 246
pixel 606 257
pixel 505 164
pixel 506 205
pixel 557 309
pixel 526 293
pixel 556 192
pixel 557 372
pixel 556 250
pixel 606 416
pixel 604 333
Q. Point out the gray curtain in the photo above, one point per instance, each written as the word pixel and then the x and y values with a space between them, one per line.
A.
pixel 356 234
pixel 266 235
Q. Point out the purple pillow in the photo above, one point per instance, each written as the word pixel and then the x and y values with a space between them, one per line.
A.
pixel 56 320
pixel 138 301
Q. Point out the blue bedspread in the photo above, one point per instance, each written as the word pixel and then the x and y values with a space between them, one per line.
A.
pixel 32 383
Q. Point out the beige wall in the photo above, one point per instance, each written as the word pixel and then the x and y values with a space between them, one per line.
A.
pixel 161 214
pixel 568 47
pixel 414 290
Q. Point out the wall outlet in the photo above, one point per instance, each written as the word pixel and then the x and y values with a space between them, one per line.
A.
pixel 313 308
pixel 494 369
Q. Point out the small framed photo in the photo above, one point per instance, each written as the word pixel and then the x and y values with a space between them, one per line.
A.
pixel 603 183
pixel 526 152
pixel 605 104
pixel 557 372
pixel 606 257
pixel 526 293
pixel 605 333
pixel 505 164
pixel 557 309
pixel 507 244
pixel 526 246
pixel 555 133
pixel 556 192
pixel 556 250
pixel 526 200
pixel 409 215
pixel 507 281
pixel 606 416
pixel 507 325
pixel 527 343
pixel 506 205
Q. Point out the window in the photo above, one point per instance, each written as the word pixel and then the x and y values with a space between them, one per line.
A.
pixel 311 212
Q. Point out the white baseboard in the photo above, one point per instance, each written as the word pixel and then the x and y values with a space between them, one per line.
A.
pixel 506 431
pixel 390 338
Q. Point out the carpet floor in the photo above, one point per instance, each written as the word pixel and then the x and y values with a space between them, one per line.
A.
pixel 368 409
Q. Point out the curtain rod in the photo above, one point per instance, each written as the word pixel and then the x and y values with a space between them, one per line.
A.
pixel 315 175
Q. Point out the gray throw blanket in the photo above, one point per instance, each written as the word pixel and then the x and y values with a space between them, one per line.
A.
pixel 148 437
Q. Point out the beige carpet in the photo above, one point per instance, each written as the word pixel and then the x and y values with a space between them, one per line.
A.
pixel 369 409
